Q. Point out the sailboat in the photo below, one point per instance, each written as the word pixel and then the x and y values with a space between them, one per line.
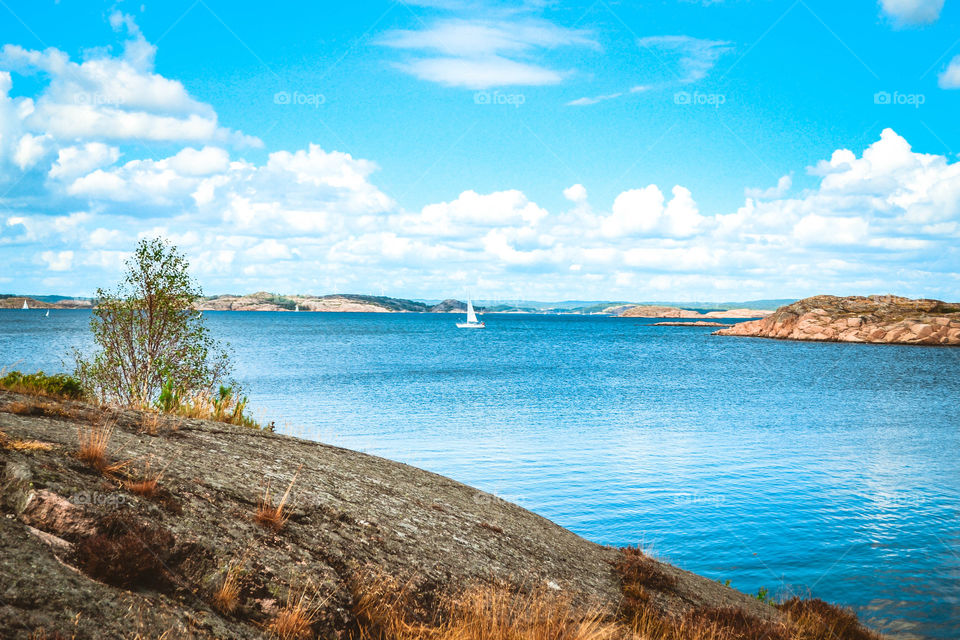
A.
pixel 47 314
pixel 472 322
pixel 25 305
pixel 298 308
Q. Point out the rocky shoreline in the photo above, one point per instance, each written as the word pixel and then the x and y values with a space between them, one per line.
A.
pixel 874 319
pixel 347 513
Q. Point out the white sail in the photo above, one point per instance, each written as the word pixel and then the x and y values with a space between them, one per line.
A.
pixel 25 305
pixel 471 316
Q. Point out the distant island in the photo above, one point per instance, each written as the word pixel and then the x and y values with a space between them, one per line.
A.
pixel 355 303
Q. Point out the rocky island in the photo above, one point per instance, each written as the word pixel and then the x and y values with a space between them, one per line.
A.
pixel 346 303
pixel 656 311
pixel 878 319
pixel 123 524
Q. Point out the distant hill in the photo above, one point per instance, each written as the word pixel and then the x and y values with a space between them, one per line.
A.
pixel 346 302
pixel 351 302
pixel 43 302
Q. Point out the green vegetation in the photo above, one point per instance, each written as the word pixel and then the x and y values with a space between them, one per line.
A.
pixel 153 349
pixel 763 595
pixel 59 385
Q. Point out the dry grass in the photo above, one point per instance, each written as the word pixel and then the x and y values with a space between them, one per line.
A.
pixel 295 620
pixel 388 610
pixel 94 441
pixel 275 517
pixel 150 424
pixel 37 408
pixel 146 483
pixel 226 598
pixel 23 446
pixel 224 406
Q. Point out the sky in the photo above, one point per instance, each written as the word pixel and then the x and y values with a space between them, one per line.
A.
pixel 709 150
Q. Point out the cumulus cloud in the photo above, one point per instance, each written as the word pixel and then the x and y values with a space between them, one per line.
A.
pixel 783 186
pixel 577 193
pixel 912 12
pixel 115 98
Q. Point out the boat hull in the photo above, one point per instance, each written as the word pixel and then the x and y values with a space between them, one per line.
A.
pixel 471 325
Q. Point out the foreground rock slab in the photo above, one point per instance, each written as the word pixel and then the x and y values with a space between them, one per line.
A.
pixel 348 512
pixel 876 319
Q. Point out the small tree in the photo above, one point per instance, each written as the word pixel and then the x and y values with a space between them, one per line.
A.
pixel 151 342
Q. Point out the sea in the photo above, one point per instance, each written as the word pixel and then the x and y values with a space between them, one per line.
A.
pixel 811 469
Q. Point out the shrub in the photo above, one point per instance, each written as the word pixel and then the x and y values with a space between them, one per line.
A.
pixel 59 385
pixel 152 345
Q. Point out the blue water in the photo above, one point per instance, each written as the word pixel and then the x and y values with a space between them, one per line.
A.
pixel 813 469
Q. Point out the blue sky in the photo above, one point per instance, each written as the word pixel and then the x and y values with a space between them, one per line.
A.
pixel 725 149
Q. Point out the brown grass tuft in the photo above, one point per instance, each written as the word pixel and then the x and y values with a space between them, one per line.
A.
pixel 147 483
pixel 295 620
pixel 94 441
pixel 150 424
pixel 226 598
pixel 275 517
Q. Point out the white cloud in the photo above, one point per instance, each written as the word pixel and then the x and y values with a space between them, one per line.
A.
pixel 30 150
pixel 111 98
pixel 492 71
pixel 691 59
pixel 815 229
pixel 949 78
pixel 783 186
pixel 58 261
pixel 910 12
pixel 640 212
pixel 75 161
pixel 588 101
pixel 695 56
pixel 314 219
pixel 577 193
pixel 481 54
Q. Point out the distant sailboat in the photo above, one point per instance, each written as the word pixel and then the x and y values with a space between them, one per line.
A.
pixel 298 308
pixel 47 314
pixel 472 322
pixel 25 305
